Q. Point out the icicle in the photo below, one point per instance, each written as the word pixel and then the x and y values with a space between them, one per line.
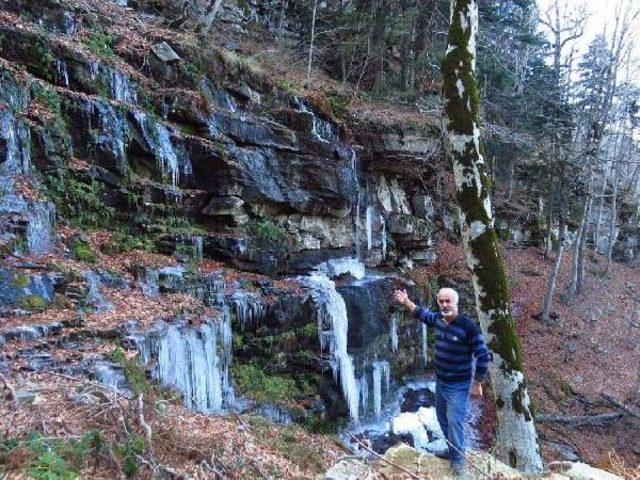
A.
pixel 332 312
pixel 394 334
pixel 248 310
pixel 380 369
pixel 94 69
pixel 69 23
pixel 384 237
pixel 165 109
pixel 159 139
pixel 368 226
pixel 149 282
pixel 356 220
pixel 122 89
pixel 193 361
pixel 198 245
pixel 339 266
pixel 16 144
pixel 113 129
pixel 364 392
pixel 62 72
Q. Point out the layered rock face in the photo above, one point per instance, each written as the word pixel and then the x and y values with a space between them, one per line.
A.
pixel 193 150
pixel 270 178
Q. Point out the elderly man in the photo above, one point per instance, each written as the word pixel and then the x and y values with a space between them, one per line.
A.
pixel 458 338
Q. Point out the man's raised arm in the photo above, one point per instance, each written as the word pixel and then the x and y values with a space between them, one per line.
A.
pixel 425 315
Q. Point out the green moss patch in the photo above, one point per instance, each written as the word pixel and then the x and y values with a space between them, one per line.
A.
pixel 82 251
pixel 34 303
pixel 20 280
pixel 257 383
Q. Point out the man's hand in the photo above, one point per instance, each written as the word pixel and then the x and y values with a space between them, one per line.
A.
pixel 402 298
pixel 476 389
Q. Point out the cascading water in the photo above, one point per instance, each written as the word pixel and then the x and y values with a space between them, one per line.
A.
pixel 113 130
pixel 321 129
pixel 194 361
pixel 159 139
pixel 333 326
pixel 40 226
pixel 62 74
pixel 94 296
pixel 16 141
pixel 122 89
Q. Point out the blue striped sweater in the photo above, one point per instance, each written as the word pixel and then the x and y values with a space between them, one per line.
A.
pixel 456 343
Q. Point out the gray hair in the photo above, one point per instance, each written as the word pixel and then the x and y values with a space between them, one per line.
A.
pixel 453 293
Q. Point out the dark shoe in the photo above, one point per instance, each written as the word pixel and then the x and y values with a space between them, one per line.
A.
pixel 457 465
pixel 443 454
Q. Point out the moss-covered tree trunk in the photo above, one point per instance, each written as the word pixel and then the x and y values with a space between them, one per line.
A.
pixel 517 437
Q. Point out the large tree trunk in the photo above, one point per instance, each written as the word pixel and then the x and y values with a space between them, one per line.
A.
pixel 517 440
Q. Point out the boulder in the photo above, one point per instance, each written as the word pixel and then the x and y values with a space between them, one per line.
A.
pixel 582 471
pixel 348 469
pixel 420 464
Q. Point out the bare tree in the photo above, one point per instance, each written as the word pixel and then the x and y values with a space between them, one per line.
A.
pixel 553 277
pixel 598 119
pixel 311 41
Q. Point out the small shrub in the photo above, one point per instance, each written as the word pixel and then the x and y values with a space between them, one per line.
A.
pixel 82 251
pixel 309 331
pixel 338 105
pixel 41 54
pixel 124 243
pixel 129 452
pixel 46 458
pixel 133 371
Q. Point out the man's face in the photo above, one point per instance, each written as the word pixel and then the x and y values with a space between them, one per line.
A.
pixel 447 305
